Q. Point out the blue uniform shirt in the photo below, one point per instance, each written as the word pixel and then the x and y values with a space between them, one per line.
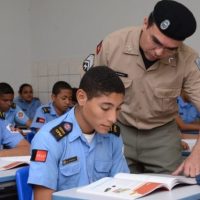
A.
pixel 72 161
pixel 29 108
pixel 187 111
pixel 44 114
pixel 15 115
pixel 7 137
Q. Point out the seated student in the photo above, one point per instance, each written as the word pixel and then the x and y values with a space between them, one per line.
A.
pixel 77 148
pixel 13 113
pixel 188 118
pixel 26 101
pixel 61 102
pixel 14 142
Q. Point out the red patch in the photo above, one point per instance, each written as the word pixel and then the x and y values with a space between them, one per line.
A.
pixel 39 155
pixel 40 120
pixel 99 47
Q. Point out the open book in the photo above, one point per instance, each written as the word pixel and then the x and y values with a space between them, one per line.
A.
pixel 13 161
pixel 132 186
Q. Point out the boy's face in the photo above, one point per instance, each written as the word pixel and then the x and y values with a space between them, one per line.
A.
pixel 27 93
pixel 99 113
pixel 6 101
pixel 62 101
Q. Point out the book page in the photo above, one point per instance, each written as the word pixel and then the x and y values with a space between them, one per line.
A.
pixel 167 180
pixel 120 188
pixel 14 161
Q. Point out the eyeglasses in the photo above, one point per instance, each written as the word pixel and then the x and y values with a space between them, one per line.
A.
pixel 159 45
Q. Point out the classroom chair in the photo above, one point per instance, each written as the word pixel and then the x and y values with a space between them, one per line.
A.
pixel 24 190
pixel 29 136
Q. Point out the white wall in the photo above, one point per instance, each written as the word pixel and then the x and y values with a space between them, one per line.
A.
pixel 43 41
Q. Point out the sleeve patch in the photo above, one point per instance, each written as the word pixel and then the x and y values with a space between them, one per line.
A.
pixel 20 115
pixel 98 49
pixel 197 61
pixel 40 120
pixel 39 155
pixel 61 130
pixel 88 62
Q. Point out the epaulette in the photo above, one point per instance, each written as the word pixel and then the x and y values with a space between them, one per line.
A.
pixel 115 129
pixel 61 130
pixel 46 109
pixel 13 105
pixel 2 115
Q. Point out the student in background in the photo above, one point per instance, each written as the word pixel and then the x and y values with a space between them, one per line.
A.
pixel 188 118
pixel 61 102
pixel 14 142
pixel 12 112
pixel 26 101
pixel 77 148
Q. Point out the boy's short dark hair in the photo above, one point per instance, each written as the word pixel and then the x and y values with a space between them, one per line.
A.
pixel 23 86
pixel 60 85
pixel 101 80
pixel 5 88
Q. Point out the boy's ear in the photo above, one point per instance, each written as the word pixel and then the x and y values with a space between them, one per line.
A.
pixel 81 97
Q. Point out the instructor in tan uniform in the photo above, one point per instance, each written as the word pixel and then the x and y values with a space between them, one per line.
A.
pixel 154 65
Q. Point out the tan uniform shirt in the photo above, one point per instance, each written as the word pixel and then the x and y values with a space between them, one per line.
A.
pixel 151 94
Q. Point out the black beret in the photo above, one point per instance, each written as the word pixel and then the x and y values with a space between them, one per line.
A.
pixel 174 20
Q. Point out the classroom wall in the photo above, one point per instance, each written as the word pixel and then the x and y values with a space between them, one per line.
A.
pixel 46 40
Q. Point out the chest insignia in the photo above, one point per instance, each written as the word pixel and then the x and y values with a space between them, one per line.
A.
pixel 69 160
pixel 115 129
pixel 46 109
pixel 61 130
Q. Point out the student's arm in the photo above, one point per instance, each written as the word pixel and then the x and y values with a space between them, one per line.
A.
pixel 28 123
pixel 41 193
pixel 184 126
pixel 22 148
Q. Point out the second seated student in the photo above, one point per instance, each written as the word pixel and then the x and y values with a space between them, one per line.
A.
pixel 61 103
pixel 14 143
pixel 26 101
pixel 13 113
pixel 77 148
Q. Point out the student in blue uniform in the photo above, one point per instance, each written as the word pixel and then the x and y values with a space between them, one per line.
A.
pixel 77 148
pixel 61 102
pixel 13 113
pixel 26 101
pixel 14 142
pixel 188 118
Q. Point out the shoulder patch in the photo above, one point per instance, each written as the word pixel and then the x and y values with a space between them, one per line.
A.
pixel 2 115
pixel 40 120
pixel 46 109
pixel 197 61
pixel 115 129
pixel 88 62
pixel 61 130
pixel 13 105
pixel 98 48
pixel 39 155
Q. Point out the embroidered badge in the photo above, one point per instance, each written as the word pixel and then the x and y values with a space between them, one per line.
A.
pixel 40 120
pixel 164 24
pixel 20 114
pixel 69 160
pixel 13 105
pixel 99 47
pixel 61 130
pixel 2 115
pixel 39 155
pixel 197 61
pixel 88 62
pixel 46 109
pixel 115 129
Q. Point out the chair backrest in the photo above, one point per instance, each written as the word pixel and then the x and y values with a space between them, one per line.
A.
pixel 24 190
